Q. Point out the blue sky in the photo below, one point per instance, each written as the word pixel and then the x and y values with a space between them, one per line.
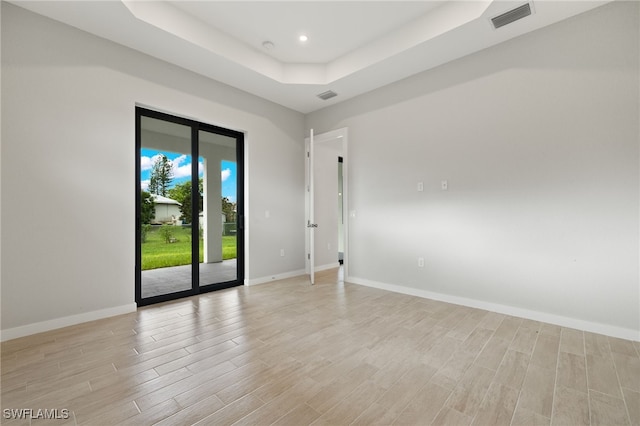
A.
pixel 182 170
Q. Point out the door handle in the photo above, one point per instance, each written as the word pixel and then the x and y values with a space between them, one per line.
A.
pixel 312 225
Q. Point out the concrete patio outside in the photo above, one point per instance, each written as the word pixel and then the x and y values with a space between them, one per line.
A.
pixel 160 281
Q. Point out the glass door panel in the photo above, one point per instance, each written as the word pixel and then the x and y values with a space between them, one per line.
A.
pixel 218 218
pixel 166 248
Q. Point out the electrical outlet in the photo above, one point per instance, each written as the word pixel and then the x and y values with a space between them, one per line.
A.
pixel 281 252
pixel 420 186
pixel 421 262
pixel 444 185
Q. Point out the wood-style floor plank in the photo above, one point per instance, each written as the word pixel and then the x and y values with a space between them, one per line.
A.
pixel 288 353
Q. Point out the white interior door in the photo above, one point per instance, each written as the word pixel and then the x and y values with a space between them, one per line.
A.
pixel 311 225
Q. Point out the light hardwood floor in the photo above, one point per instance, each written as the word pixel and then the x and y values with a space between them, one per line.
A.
pixel 287 353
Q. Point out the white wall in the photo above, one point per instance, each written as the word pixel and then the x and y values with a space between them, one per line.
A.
pixel 538 139
pixel 68 141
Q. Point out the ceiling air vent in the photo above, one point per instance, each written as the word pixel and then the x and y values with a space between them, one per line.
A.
pixel 511 16
pixel 327 95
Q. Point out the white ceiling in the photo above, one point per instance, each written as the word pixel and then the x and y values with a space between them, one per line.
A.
pixel 353 46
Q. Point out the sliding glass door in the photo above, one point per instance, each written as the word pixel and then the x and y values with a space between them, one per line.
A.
pixel 189 236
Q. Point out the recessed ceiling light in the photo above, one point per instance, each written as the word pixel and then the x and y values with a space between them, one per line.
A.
pixel 303 38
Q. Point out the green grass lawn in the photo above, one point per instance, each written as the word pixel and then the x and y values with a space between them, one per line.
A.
pixel 156 253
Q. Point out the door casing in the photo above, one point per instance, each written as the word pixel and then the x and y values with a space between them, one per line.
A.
pixel 341 134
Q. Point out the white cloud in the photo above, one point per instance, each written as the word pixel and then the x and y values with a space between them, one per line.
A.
pixel 178 166
pixel 144 185
pixel 181 171
pixel 225 174
pixel 176 161
pixel 146 163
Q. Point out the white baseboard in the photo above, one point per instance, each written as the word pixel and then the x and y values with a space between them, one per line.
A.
pixel 327 266
pixel 594 327
pixel 275 277
pixel 609 330
pixel 39 327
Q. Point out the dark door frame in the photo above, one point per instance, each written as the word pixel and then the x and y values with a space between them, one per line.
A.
pixel 196 127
